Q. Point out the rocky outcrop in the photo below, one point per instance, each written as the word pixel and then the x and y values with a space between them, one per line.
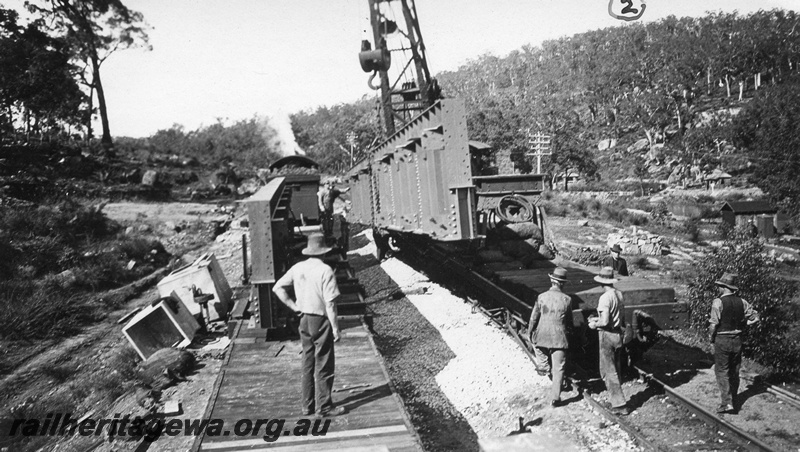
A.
pixel 639 242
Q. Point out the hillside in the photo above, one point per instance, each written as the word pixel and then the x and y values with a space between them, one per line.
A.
pixel 629 102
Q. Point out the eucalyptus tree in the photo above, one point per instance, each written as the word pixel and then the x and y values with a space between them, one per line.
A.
pixel 95 29
pixel 37 85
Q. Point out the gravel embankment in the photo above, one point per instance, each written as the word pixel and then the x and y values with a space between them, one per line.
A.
pixel 461 377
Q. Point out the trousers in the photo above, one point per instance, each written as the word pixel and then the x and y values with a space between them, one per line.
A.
pixel 316 338
pixel 727 361
pixel 555 359
pixel 610 348
pixel 326 218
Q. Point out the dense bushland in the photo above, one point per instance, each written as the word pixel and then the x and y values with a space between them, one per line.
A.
pixel 626 103
pixel 248 144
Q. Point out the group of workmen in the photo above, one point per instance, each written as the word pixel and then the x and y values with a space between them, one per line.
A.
pixel 622 345
pixel 316 291
pixel 550 325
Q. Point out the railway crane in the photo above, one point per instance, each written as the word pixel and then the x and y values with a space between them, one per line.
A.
pixel 421 188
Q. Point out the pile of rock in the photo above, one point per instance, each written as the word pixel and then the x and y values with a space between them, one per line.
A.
pixel 638 241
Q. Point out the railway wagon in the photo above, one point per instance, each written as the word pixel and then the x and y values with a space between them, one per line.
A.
pixel 277 231
pixel 421 190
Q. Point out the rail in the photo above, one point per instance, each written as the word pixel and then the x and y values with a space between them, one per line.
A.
pixel 506 317
pixel 747 440
pixel 786 396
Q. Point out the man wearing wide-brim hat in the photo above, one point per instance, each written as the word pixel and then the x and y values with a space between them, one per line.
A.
pixel 610 325
pixel 730 314
pixel 615 261
pixel 550 322
pixel 316 292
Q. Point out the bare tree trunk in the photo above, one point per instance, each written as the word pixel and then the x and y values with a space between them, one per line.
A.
pixel 649 137
pixel 89 130
pixel 101 103
pixel 728 84
pixel 741 88
pixel 708 80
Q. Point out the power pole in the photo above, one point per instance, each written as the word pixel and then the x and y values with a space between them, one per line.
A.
pixel 540 145
pixel 351 140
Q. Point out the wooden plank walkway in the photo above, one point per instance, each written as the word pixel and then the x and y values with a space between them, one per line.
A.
pixel 261 380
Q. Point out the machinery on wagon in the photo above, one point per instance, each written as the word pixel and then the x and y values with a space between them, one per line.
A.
pixel 421 189
pixel 281 214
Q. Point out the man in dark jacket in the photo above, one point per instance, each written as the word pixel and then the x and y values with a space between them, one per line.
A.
pixel 729 316
pixel 616 262
pixel 551 319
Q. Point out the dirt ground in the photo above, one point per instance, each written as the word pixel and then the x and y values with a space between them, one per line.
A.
pixel 89 355
pixel 184 228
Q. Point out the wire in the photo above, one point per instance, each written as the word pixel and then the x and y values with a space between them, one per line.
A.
pixel 515 209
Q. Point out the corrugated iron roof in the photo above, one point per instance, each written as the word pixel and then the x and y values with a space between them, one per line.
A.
pixel 746 207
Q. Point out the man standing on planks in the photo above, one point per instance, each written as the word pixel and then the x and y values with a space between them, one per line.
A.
pixel 610 325
pixel 729 316
pixel 315 290
pixel 551 319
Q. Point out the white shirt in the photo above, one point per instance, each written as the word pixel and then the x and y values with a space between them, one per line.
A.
pixel 314 284
pixel 611 302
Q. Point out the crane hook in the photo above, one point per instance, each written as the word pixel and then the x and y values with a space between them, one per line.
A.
pixel 374 73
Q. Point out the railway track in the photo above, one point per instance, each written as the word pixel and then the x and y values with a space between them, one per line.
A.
pixel 786 396
pixel 683 424
pixel 716 433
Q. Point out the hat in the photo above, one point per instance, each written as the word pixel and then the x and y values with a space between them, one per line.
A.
pixel 316 245
pixel 616 248
pixel 559 274
pixel 727 280
pixel 606 276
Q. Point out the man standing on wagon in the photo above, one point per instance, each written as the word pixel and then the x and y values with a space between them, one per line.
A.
pixel 326 197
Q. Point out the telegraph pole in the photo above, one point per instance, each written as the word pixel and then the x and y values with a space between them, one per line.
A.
pixel 540 145
pixel 351 140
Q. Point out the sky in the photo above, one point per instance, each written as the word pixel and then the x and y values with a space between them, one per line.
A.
pixel 236 59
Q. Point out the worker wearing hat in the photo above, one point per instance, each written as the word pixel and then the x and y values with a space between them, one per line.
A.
pixel 315 291
pixel 729 316
pixel 550 321
pixel 610 324
pixel 616 262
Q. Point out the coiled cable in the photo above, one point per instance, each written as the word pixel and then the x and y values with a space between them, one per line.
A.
pixel 515 209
